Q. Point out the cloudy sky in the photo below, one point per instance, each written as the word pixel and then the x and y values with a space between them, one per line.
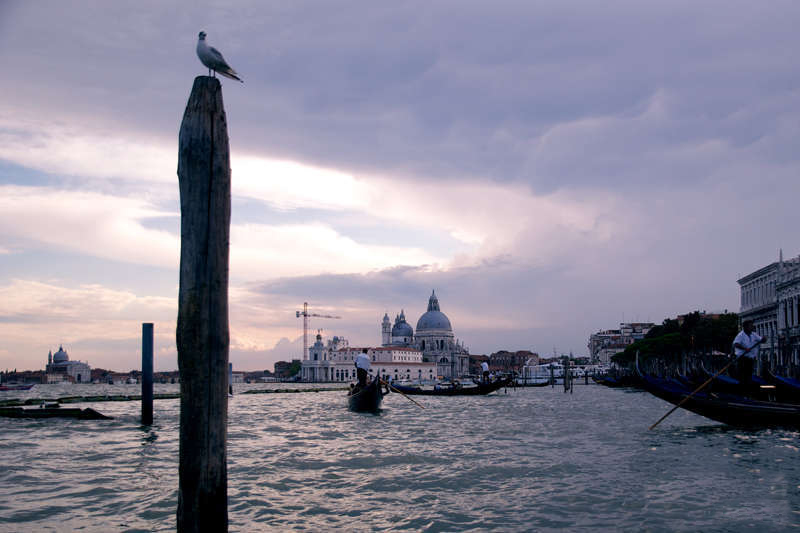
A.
pixel 549 168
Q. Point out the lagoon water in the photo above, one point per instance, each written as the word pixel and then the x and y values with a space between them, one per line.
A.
pixel 530 460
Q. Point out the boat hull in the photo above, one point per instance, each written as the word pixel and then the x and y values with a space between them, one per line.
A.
pixel 367 399
pixel 16 387
pixel 726 408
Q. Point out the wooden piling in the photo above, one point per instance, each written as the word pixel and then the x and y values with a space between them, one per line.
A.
pixel 147 374
pixel 202 334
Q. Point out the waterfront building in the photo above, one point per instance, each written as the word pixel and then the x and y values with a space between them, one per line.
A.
pixel 60 369
pixel 430 353
pixel 770 297
pixel 434 338
pixel 334 361
pixel 607 343
pixel 505 361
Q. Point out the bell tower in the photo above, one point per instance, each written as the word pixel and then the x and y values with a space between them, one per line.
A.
pixel 386 330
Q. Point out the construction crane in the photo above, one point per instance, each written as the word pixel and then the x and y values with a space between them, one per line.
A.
pixel 305 314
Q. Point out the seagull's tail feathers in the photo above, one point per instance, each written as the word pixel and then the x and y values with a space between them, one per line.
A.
pixel 230 73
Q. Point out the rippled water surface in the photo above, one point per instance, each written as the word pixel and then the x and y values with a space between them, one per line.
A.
pixel 531 459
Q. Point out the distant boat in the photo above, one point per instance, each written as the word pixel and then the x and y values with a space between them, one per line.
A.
pixel 17 387
pixel 451 389
pixel 367 399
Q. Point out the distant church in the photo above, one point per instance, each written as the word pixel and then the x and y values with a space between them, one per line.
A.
pixel 431 353
pixel 434 338
pixel 60 369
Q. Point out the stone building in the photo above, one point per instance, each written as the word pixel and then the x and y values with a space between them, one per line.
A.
pixel 432 352
pixel 434 338
pixel 60 369
pixel 607 343
pixel 505 361
pixel 334 361
pixel 770 297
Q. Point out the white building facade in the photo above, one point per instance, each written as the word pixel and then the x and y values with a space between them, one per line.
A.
pixel 336 362
pixel 770 297
pixel 607 343
pixel 60 369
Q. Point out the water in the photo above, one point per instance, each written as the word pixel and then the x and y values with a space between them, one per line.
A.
pixel 532 459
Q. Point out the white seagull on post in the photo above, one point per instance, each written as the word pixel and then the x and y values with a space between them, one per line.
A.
pixel 211 58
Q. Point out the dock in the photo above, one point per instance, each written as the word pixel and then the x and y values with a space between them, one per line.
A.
pixel 16 402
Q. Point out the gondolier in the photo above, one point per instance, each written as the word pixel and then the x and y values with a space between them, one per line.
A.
pixel 485 369
pixel 362 367
pixel 745 348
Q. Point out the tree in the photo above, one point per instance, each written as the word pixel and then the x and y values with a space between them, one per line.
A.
pixel 698 333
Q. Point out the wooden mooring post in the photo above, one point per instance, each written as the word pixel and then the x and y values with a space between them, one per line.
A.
pixel 202 335
pixel 147 373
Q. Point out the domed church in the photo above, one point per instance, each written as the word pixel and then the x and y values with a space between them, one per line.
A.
pixel 434 338
pixel 60 369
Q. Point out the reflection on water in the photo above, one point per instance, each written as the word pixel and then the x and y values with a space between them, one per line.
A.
pixel 532 459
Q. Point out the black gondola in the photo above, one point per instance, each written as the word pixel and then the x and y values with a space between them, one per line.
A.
pixel 367 399
pixel 623 381
pixel 726 408
pixel 452 390
pixel 788 388
pixel 723 407
pixel 757 389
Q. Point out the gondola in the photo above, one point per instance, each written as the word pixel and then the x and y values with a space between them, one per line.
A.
pixel 727 408
pixel 16 387
pixel 367 399
pixel 757 389
pixel 623 381
pixel 451 390
pixel 788 388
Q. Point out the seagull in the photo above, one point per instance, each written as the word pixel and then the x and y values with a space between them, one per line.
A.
pixel 211 58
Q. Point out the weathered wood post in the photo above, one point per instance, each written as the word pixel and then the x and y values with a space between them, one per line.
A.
pixel 147 373
pixel 202 335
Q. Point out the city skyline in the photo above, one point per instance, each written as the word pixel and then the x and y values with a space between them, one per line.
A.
pixel 549 170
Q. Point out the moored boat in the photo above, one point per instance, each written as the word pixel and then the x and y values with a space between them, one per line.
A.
pixel 52 412
pixel 453 389
pixel 788 389
pixel 731 409
pixel 17 387
pixel 723 407
pixel 367 399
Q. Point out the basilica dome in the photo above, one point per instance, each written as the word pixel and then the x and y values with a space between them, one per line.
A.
pixel 433 319
pixel 402 329
pixel 60 356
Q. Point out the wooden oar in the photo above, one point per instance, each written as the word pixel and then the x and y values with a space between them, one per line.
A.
pixel 701 387
pixel 391 387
